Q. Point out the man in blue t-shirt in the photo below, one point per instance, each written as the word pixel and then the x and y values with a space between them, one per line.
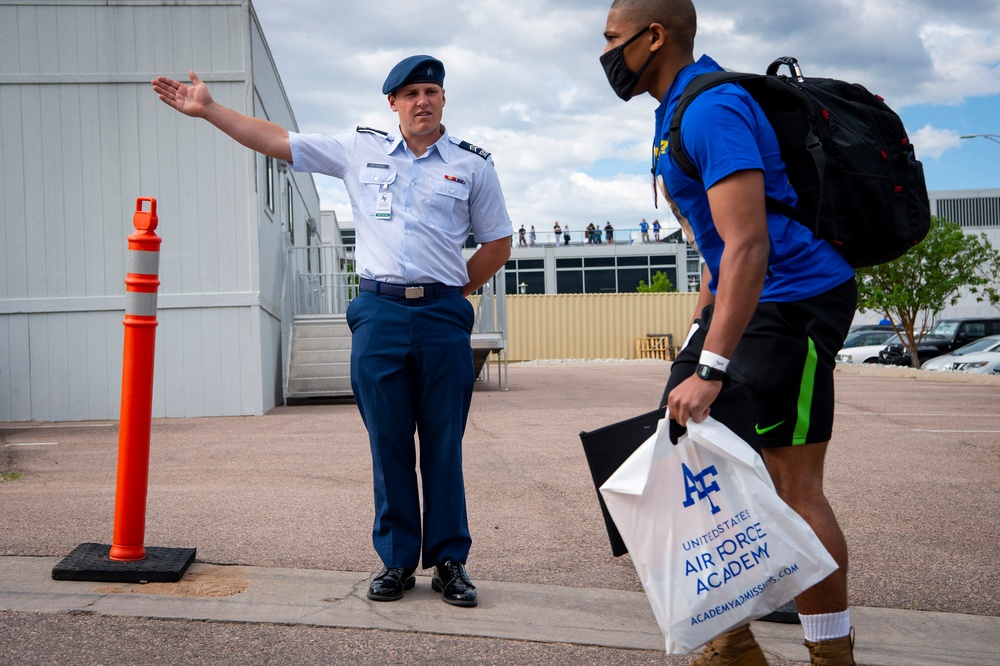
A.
pixel 775 301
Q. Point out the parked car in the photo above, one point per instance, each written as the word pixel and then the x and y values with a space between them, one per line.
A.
pixel 865 337
pixel 946 336
pixel 855 328
pixel 865 354
pixel 981 356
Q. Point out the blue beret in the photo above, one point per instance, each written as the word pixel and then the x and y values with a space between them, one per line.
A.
pixel 415 69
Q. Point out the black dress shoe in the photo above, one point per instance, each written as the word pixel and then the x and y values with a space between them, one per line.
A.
pixel 390 583
pixel 453 583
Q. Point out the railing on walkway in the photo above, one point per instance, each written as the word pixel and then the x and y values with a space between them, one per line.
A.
pixel 578 237
pixel 320 279
pixel 489 333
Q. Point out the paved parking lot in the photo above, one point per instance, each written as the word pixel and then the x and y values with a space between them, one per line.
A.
pixel 912 474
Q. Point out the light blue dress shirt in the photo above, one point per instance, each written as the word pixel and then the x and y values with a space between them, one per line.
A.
pixel 435 200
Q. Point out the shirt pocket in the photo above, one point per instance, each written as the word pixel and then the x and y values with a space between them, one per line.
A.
pixel 447 195
pixel 373 182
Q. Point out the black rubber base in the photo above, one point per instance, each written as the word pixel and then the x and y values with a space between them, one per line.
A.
pixel 787 614
pixel 91 561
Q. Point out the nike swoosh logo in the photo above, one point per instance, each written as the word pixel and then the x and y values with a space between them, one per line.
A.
pixel 763 431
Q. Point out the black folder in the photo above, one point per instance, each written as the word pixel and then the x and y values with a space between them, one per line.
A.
pixel 606 449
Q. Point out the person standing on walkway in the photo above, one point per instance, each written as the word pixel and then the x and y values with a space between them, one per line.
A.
pixel 416 195
pixel 557 232
pixel 775 310
pixel 532 236
pixel 609 232
pixel 565 234
pixel 656 231
pixel 521 241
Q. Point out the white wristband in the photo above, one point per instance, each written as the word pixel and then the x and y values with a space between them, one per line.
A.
pixel 714 361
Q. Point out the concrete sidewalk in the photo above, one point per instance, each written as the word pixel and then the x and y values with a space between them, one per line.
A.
pixel 279 508
pixel 536 613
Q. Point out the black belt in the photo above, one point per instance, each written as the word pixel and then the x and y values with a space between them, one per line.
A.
pixel 408 290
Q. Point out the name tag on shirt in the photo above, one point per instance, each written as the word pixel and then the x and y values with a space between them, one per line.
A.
pixel 383 207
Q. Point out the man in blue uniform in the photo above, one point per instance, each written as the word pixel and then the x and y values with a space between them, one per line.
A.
pixel 416 196
pixel 774 311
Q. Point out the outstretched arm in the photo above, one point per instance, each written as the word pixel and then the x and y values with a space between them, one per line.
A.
pixel 194 100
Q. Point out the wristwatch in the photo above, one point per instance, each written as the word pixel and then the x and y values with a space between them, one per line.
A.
pixel 709 374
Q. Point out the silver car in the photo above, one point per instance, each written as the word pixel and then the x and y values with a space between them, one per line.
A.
pixel 867 351
pixel 980 356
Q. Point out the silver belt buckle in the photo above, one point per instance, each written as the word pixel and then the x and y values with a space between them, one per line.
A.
pixel 414 292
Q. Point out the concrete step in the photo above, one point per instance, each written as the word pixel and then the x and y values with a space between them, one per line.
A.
pixel 320 328
pixel 320 371
pixel 321 356
pixel 339 343
pixel 319 387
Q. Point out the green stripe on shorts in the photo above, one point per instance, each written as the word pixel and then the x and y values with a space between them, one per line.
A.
pixel 805 395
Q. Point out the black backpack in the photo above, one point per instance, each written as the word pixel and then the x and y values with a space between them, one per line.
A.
pixel 858 181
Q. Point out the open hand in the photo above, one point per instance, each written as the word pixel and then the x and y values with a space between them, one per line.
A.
pixel 191 100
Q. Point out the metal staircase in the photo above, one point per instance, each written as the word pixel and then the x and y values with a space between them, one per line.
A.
pixel 319 357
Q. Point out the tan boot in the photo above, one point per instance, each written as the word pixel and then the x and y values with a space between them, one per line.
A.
pixel 736 647
pixel 836 652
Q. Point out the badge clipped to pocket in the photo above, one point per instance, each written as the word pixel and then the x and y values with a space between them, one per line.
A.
pixel 383 206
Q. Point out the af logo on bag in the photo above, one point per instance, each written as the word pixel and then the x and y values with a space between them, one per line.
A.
pixel 695 484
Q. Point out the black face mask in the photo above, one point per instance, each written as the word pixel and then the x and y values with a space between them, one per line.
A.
pixel 622 79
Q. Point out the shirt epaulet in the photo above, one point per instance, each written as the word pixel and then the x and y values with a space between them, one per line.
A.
pixel 474 149
pixel 370 130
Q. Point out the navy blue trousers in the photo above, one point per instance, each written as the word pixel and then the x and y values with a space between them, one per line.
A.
pixel 411 371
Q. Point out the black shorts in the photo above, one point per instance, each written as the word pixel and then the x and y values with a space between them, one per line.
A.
pixel 781 388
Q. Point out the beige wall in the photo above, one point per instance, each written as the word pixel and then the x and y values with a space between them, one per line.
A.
pixel 554 326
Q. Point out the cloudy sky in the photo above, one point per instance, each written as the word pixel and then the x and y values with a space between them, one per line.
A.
pixel 523 81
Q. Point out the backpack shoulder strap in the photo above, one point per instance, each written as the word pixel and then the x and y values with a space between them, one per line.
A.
pixel 695 87
pixel 707 81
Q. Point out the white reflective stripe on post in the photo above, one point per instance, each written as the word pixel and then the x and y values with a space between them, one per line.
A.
pixel 140 303
pixel 143 263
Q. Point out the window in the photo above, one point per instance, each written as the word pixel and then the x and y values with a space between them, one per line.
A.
pixel 569 281
pixel 269 182
pixel 529 272
pixel 600 281
pixel 290 218
pixel 628 279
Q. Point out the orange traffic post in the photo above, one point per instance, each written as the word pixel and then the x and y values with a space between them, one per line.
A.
pixel 140 323
pixel 127 559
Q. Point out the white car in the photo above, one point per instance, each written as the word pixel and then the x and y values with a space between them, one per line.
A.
pixel 865 353
pixel 981 356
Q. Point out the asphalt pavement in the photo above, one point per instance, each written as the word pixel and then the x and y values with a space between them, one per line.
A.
pixel 279 509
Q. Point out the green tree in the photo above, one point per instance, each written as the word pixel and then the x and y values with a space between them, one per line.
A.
pixel 912 290
pixel 661 283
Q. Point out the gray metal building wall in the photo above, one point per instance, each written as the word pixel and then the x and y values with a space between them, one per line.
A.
pixel 977 212
pixel 82 135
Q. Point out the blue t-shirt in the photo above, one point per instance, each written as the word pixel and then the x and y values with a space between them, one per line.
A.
pixel 725 131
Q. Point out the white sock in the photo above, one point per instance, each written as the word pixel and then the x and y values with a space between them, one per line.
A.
pixel 826 626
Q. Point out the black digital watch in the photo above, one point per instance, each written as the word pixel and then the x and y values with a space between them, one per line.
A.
pixel 710 374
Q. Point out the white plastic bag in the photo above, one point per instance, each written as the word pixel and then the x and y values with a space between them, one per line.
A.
pixel 714 545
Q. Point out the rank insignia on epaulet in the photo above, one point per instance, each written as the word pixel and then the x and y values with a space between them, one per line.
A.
pixel 370 130
pixel 475 149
